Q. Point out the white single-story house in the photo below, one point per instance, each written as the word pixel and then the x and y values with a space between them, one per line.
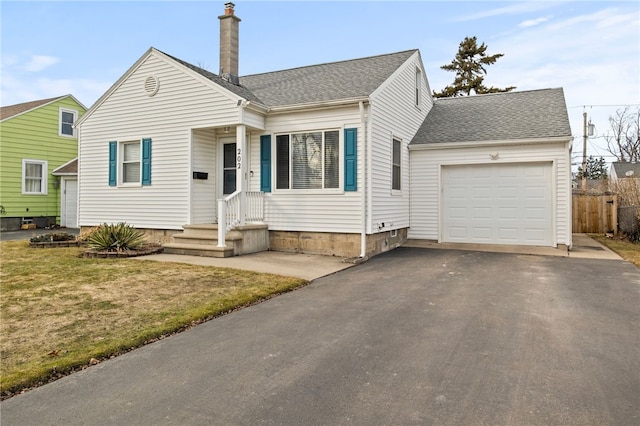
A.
pixel 347 158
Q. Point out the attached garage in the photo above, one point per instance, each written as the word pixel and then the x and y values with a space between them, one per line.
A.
pixel 498 204
pixel 493 169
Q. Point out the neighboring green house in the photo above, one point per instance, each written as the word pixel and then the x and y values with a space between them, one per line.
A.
pixel 37 139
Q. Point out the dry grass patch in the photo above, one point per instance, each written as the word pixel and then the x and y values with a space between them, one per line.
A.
pixel 626 249
pixel 58 311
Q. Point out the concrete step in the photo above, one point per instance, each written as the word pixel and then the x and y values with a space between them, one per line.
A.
pixel 209 250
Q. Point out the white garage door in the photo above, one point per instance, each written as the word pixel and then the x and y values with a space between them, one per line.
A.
pixel 498 204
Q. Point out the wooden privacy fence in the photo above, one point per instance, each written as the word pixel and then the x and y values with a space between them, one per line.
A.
pixel 595 214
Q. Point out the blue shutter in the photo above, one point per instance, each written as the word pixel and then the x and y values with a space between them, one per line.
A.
pixel 350 159
pixel 113 163
pixel 265 163
pixel 146 161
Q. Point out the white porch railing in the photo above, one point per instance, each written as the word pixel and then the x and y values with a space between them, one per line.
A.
pixel 236 209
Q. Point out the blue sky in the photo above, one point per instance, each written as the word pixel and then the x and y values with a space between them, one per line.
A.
pixel 590 48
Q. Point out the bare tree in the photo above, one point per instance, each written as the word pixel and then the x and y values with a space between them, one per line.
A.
pixel 624 142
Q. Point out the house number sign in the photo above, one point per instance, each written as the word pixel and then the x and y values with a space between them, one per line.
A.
pixel 239 158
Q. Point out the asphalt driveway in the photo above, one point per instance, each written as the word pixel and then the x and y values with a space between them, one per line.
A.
pixel 414 336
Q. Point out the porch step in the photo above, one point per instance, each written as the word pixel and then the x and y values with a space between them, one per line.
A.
pixel 207 250
pixel 202 240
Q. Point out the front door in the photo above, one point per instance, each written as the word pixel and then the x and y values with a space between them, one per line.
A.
pixel 228 168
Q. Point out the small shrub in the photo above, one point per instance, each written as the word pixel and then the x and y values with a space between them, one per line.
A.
pixel 53 237
pixel 115 238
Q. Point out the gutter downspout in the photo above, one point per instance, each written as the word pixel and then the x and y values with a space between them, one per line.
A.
pixel 363 235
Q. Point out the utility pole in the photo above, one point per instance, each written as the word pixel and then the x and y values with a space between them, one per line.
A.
pixel 584 151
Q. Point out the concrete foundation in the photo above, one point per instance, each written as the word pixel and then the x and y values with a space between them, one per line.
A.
pixel 334 244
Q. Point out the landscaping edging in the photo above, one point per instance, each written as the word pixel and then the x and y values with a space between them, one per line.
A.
pixel 146 250
pixel 54 244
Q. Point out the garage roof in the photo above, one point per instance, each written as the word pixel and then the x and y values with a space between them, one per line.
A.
pixel 534 114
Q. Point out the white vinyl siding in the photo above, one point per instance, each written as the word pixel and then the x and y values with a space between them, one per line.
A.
pixel 311 210
pixel 427 191
pixel 394 114
pixel 34 177
pixel 203 191
pixel 183 102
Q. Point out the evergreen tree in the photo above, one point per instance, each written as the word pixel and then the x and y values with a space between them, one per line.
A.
pixel 596 169
pixel 469 66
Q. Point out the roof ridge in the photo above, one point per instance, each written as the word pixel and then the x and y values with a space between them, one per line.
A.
pixel 497 94
pixel 330 63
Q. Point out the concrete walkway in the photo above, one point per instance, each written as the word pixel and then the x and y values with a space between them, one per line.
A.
pixel 584 247
pixel 305 266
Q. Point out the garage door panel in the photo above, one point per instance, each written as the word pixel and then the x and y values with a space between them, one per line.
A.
pixel 498 204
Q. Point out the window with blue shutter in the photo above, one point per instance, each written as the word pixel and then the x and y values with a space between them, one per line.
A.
pixel 265 163
pixel 146 161
pixel 350 159
pixel 113 163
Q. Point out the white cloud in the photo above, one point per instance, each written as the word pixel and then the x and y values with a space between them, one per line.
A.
pixel 533 22
pixel 512 9
pixel 40 62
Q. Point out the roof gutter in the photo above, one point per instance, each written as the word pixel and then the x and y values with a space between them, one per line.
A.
pixel 475 144
pixel 318 105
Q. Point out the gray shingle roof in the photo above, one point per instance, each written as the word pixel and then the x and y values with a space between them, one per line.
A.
pixel 531 114
pixel 238 90
pixel 325 82
pixel 622 167
pixel 317 83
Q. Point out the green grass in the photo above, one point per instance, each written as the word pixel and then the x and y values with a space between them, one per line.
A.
pixel 59 311
pixel 626 249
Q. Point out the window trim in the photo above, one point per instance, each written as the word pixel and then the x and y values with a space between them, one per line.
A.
pixel 121 163
pixel 75 117
pixel 44 185
pixel 340 160
pixel 394 140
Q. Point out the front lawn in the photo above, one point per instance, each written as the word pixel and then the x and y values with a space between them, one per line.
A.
pixel 626 249
pixel 60 312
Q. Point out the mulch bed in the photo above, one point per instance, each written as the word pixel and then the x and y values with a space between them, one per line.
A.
pixel 143 251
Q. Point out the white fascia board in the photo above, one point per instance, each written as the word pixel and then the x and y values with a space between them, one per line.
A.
pixel 55 171
pixel 476 144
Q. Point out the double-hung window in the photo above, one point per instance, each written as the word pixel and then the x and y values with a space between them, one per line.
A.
pixel 34 177
pixel 396 165
pixel 130 162
pixel 67 118
pixel 308 160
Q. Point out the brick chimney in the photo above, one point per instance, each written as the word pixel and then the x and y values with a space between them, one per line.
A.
pixel 229 24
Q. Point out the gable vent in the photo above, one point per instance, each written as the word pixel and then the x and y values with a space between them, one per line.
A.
pixel 151 85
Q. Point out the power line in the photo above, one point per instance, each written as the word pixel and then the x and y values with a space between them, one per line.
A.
pixel 603 106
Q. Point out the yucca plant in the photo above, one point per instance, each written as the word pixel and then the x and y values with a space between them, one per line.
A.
pixel 118 237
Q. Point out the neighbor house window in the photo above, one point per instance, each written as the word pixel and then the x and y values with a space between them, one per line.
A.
pixel 34 177
pixel 67 118
pixel 396 165
pixel 308 160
